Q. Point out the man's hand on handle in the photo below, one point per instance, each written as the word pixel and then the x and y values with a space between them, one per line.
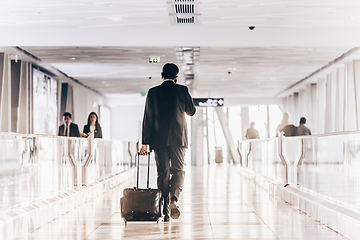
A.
pixel 144 150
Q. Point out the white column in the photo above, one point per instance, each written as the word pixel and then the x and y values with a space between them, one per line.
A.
pixel 334 102
pixel 308 102
pixel 296 108
pixel 322 105
pixel 356 64
pixel 197 138
pixel 337 101
pixel 302 103
pixel 315 109
pixel 351 98
pixel 291 108
pixel 328 108
pixel 245 121
pixel 341 94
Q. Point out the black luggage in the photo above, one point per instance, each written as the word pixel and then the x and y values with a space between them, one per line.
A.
pixel 141 204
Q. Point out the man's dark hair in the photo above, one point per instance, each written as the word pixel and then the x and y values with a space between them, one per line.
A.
pixel 67 114
pixel 170 71
pixel 302 120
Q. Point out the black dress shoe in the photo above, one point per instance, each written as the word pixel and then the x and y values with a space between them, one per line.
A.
pixel 167 218
pixel 174 210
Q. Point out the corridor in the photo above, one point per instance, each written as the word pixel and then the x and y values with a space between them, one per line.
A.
pixel 215 204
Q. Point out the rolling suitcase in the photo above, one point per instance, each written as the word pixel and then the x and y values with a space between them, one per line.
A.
pixel 141 204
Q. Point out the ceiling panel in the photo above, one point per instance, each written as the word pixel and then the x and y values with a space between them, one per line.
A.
pixel 242 72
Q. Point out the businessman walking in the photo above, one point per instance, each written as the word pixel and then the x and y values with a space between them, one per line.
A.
pixel 164 130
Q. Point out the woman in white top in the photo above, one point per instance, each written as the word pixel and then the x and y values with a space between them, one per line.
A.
pixel 285 121
pixel 92 126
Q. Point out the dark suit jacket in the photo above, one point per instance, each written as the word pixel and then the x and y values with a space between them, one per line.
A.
pixel 97 133
pixel 290 130
pixel 164 116
pixel 74 130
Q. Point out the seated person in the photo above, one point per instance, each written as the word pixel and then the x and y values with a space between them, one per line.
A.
pixel 68 129
pixel 302 129
pixel 289 130
pixel 92 126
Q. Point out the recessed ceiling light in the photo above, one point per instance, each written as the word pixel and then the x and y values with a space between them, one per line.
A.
pixel 115 19
pixel 73 58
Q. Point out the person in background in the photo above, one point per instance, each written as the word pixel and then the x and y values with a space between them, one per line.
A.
pixel 285 121
pixel 289 130
pixel 68 129
pixel 252 133
pixel 302 130
pixel 92 126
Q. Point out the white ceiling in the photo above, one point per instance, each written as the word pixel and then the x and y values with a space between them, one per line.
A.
pixel 154 13
pixel 106 45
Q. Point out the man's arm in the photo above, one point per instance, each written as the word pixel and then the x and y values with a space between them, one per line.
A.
pixel 77 132
pixel 146 126
pixel 190 108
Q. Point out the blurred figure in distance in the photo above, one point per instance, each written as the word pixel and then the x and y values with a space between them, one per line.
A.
pixel 252 133
pixel 285 121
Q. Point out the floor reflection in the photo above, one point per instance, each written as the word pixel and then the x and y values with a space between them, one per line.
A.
pixel 215 204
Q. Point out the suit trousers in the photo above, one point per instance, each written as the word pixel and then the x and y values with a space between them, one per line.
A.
pixel 170 164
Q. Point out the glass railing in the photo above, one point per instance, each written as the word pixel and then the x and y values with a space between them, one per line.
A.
pixel 261 156
pixel 323 165
pixel 35 167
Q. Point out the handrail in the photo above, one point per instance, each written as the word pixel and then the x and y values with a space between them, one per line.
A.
pixel 307 136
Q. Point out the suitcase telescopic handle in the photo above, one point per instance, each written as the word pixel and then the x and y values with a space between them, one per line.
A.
pixel 148 171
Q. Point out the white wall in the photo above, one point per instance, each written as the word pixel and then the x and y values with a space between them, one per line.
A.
pixel 126 123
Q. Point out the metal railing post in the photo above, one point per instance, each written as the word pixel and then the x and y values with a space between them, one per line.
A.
pixel 72 163
pixel 239 144
pixel 299 161
pixel 282 158
pixel 130 154
pixel 87 159
pixel 247 155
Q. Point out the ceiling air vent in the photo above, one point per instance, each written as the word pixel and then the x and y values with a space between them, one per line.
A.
pixel 184 7
pixel 184 11
pixel 185 20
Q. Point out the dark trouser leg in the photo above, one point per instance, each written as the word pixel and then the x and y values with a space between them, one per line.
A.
pixel 162 158
pixel 177 155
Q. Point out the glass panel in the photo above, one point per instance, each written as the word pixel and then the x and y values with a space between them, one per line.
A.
pixel 261 156
pixel 36 167
pixel 329 166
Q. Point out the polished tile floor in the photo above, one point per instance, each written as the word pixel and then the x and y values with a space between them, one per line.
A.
pixel 215 204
